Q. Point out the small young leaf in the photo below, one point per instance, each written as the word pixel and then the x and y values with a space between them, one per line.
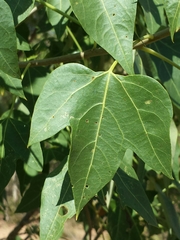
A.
pixel 111 24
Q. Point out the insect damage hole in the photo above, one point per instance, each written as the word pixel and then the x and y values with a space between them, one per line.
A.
pixel 63 210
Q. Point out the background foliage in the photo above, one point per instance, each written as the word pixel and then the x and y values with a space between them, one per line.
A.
pixel 89 114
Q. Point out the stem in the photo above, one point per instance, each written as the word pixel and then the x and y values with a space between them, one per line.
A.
pixel 92 52
pixel 48 5
pixel 113 66
pixel 156 54
pixel 77 44
pixel 25 70
pixel 74 39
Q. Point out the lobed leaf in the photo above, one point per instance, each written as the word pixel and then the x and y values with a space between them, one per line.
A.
pixel 107 114
pixel 111 24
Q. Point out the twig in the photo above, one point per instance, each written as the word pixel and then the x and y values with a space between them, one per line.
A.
pixel 12 235
pixel 92 52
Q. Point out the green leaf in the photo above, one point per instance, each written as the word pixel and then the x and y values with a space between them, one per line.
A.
pixel 32 197
pixel 175 162
pixel 168 74
pixel 132 194
pixel 117 224
pixel 11 84
pixel 20 9
pixel 57 204
pixel 22 44
pixel 108 114
pixel 172 8
pixel 111 24
pixel 7 169
pixel 8 50
pixel 169 212
pixel 154 14
pixel 33 83
pixel 15 141
pixel 56 19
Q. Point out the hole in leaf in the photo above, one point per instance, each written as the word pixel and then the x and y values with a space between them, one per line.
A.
pixel 114 14
pixel 87 186
pixel 96 122
pixel 87 121
pixel 63 210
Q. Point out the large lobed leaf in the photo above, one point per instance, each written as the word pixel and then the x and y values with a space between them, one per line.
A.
pixel 111 24
pixel 108 114
pixel 8 50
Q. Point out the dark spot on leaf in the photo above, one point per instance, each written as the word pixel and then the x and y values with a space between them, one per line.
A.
pixel 96 122
pixel 93 78
pixel 87 186
pixel 87 121
pixel 114 14
pixel 63 210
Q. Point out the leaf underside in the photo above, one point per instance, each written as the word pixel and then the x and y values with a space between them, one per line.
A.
pixel 111 25
pixel 107 114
